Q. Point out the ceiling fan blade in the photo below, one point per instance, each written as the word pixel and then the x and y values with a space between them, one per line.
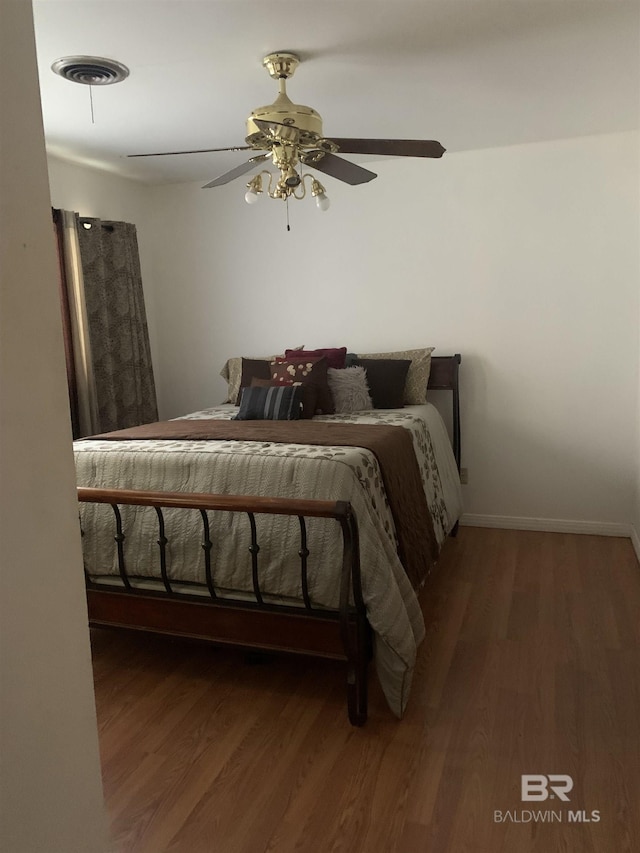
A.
pixel 341 169
pixel 197 151
pixel 236 173
pixel 391 147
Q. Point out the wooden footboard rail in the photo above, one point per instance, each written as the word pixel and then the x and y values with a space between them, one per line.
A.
pixel 342 634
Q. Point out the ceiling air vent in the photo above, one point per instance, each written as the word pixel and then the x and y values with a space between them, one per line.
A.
pixel 90 70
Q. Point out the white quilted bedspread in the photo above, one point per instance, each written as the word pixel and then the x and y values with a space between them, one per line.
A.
pixel 272 469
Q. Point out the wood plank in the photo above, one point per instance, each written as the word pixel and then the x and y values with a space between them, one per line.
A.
pixel 531 664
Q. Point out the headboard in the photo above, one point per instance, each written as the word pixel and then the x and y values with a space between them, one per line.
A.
pixel 444 377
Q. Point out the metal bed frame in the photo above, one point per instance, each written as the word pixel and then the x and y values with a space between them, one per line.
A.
pixel 342 634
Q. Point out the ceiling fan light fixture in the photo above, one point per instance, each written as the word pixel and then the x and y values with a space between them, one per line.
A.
pixel 290 177
pixel 254 189
pixel 318 192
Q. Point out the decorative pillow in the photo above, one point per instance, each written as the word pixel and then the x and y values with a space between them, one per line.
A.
pixel 252 368
pixel 335 355
pixel 307 371
pixel 349 389
pixel 415 390
pixel 232 374
pixel 274 403
pixel 308 394
pixel 386 378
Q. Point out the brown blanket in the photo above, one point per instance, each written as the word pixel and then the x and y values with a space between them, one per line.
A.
pixel 392 445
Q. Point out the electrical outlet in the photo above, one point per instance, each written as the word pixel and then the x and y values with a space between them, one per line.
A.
pixel 464 476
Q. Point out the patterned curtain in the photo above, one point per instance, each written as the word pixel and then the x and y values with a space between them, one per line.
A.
pixel 107 325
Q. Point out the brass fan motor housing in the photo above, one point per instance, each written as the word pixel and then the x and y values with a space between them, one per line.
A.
pixel 305 121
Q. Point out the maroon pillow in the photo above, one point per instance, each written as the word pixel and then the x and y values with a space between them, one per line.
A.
pixel 307 370
pixel 309 394
pixel 336 356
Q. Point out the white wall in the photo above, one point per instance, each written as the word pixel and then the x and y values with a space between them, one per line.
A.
pixel 50 788
pixel 92 192
pixel 635 533
pixel 524 259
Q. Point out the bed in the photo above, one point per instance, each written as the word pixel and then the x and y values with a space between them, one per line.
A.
pixel 306 537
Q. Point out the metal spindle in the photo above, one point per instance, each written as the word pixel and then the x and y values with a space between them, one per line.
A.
pixel 254 548
pixel 207 545
pixel 304 553
pixel 112 607
pixel 87 576
pixel 119 538
pixel 162 542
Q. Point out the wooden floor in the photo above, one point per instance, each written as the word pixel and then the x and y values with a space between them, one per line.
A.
pixel 531 665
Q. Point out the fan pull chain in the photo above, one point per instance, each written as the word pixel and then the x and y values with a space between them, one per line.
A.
pixel 288 226
pixel 93 121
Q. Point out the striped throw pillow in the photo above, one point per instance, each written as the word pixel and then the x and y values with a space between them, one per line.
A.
pixel 274 403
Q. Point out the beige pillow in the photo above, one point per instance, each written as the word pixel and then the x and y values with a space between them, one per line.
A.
pixel 415 388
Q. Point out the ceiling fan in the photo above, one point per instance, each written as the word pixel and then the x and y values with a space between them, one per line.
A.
pixel 291 135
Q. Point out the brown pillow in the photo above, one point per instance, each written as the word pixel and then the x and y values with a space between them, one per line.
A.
pixel 309 396
pixel 386 379
pixel 307 371
pixel 232 374
pixel 415 387
pixel 252 367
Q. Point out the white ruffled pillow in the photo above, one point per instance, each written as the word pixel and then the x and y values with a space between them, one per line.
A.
pixel 349 389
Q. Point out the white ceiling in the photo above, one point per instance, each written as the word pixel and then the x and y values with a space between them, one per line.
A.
pixel 469 73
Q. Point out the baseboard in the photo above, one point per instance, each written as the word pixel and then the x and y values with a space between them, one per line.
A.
pixel 553 525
